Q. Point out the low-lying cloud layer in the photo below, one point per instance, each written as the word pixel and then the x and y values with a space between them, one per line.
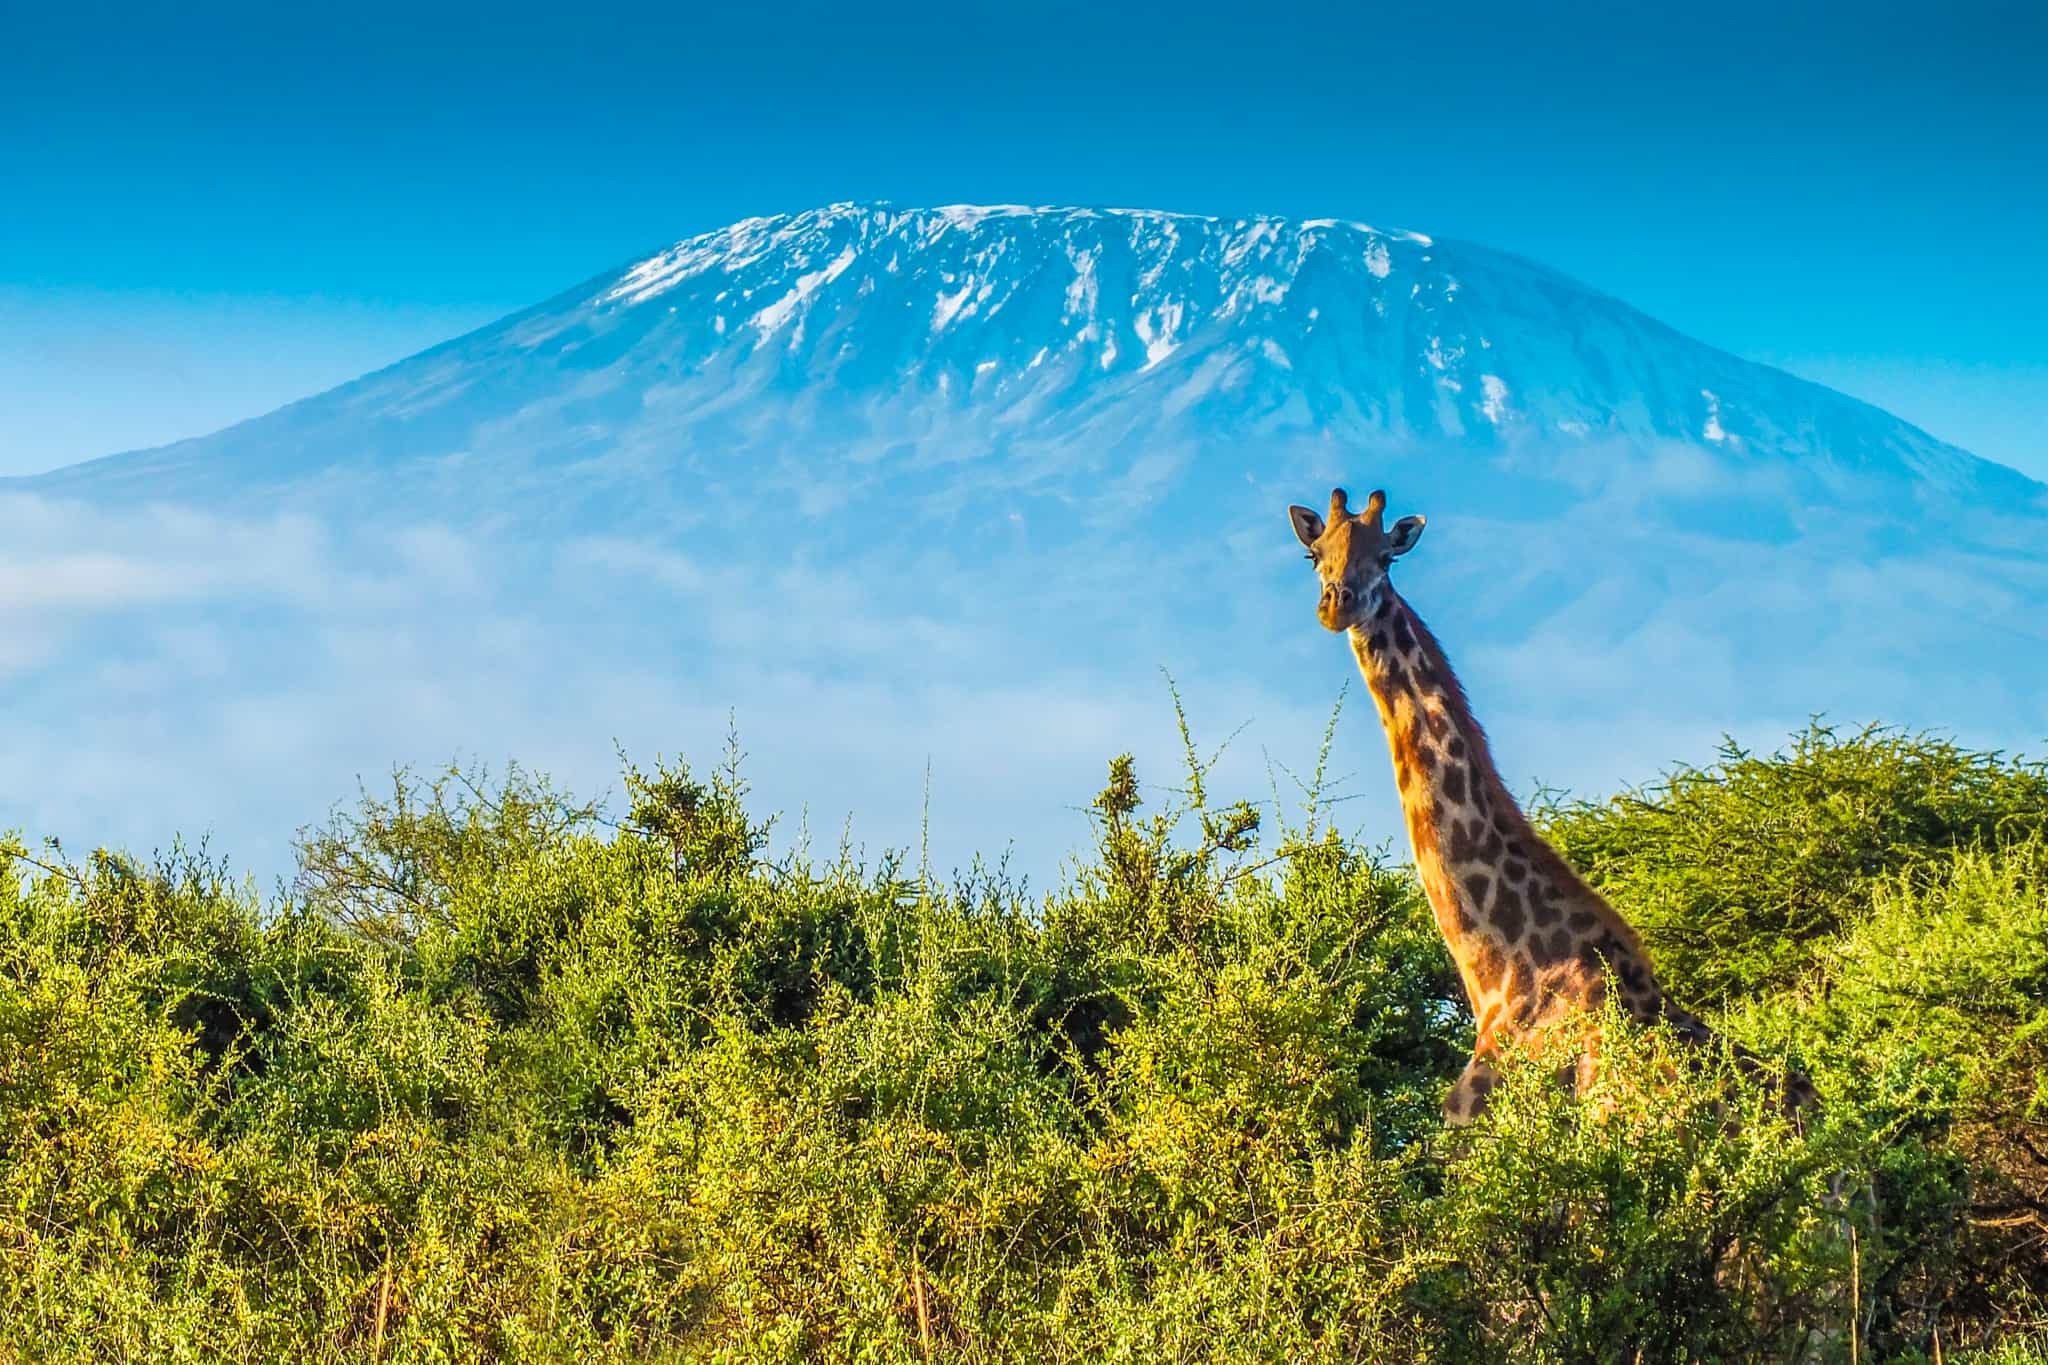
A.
pixel 170 671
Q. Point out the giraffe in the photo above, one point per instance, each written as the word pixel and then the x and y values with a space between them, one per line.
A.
pixel 1534 944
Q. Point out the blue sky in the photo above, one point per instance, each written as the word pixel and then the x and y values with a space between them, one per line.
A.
pixel 207 210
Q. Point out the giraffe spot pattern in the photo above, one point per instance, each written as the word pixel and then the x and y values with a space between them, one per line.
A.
pixel 1522 942
pixel 1508 918
pixel 1461 917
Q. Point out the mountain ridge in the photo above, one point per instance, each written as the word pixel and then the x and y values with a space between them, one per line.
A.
pixel 1230 307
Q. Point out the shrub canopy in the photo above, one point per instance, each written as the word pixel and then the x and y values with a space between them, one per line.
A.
pixel 500 1079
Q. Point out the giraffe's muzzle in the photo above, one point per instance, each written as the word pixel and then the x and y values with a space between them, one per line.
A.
pixel 1335 608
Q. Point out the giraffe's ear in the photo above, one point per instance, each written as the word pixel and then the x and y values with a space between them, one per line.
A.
pixel 1307 525
pixel 1402 538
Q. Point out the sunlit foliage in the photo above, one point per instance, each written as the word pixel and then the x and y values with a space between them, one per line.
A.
pixel 503 1076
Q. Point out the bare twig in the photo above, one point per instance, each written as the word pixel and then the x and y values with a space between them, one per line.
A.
pixel 383 1310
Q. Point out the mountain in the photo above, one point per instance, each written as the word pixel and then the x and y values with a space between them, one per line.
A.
pixel 1031 330
pixel 952 485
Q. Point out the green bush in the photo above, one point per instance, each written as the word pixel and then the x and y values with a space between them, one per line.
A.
pixel 497 1079
pixel 1738 874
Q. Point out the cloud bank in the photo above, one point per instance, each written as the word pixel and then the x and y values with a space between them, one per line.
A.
pixel 171 671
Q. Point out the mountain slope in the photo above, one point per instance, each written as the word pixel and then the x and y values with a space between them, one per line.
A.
pixel 1009 326
pixel 897 486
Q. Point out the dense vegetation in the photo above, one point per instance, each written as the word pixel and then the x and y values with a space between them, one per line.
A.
pixel 501 1077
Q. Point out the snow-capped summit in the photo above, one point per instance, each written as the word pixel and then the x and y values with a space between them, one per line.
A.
pixel 863 325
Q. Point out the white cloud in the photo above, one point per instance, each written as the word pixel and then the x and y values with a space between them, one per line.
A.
pixel 164 670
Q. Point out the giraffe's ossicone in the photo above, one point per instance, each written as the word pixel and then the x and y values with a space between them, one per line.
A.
pixel 1535 945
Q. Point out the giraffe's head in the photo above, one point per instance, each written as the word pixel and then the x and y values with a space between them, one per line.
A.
pixel 1351 552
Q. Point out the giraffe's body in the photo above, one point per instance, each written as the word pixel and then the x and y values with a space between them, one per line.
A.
pixel 1535 945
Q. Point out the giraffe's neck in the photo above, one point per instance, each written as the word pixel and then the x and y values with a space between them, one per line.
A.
pixel 1508 907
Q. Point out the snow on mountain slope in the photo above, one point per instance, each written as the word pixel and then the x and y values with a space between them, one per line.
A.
pixel 1035 327
pixel 954 484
